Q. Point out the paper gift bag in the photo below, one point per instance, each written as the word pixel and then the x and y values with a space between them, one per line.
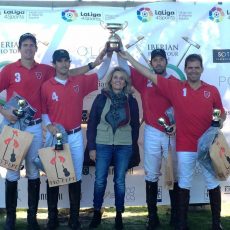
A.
pixel 169 175
pixel 58 165
pixel 220 156
pixel 14 145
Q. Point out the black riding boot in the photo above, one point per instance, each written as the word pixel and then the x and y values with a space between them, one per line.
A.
pixel 182 209
pixel 151 199
pixel 74 200
pixel 173 201
pixel 52 201
pixel 33 198
pixel 11 204
pixel 215 202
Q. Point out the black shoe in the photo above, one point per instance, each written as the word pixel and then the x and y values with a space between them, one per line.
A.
pixel 153 223
pixel 96 221
pixel 118 221
pixel 52 224
pixel 10 223
pixel 33 226
pixel 74 224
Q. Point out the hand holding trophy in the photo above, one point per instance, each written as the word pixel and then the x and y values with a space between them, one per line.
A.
pixel 113 43
pixel 168 129
pixel 20 111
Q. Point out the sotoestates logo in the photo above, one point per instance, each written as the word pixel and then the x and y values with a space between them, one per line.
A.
pixel 221 56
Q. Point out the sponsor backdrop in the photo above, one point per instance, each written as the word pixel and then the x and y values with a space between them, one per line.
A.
pixel 179 28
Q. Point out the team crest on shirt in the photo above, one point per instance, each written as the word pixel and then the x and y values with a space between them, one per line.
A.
pixel 76 88
pixel 207 94
pixel 38 75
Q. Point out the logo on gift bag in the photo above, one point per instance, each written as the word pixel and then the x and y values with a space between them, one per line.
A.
pixel 8 141
pixel 59 159
pixel 222 153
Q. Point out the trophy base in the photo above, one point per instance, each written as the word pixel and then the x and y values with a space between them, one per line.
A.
pixel 168 129
pixel 215 124
pixel 18 113
pixel 113 46
pixel 59 147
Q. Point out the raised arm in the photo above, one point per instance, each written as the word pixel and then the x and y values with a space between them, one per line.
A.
pixel 141 68
pixel 86 68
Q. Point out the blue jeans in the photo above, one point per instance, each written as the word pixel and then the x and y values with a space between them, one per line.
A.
pixel 121 155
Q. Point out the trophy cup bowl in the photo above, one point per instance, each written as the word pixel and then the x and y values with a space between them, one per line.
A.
pixel 113 43
pixel 162 122
pixel 59 144
pixel 20 111
pixel 216 118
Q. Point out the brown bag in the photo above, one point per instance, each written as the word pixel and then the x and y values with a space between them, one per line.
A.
pixel 14 145
pixel 220 156
pixel 58 165
pixel 169 175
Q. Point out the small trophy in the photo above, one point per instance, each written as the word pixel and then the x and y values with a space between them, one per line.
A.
pixel 20 111
pixel 216 118
pixel 59 144
pixel 113 43
pixel 161 121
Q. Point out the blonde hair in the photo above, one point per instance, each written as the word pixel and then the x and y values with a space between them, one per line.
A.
pixel 127 88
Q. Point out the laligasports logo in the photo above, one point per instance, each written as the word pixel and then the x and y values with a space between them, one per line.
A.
pixel 216 14
pixel 144 14
pixel 69 15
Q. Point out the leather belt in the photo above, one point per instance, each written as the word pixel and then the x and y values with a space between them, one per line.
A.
pixel 35 122
pixel 72 131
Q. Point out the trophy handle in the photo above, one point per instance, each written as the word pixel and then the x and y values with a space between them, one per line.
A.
pixel 124 25
pixel 103 24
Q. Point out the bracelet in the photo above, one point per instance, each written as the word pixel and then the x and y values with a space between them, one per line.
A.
pixel 90 65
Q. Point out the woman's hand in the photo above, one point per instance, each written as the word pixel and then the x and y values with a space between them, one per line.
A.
pixel 92 155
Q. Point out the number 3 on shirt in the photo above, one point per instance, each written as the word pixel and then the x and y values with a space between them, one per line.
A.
pixel 54 96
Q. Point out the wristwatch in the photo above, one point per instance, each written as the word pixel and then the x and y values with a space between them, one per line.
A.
pixel 90 65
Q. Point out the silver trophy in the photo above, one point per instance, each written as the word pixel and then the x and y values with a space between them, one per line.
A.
pixel 162 122
pixel 216 118
pixel 20 111
pixel 113 43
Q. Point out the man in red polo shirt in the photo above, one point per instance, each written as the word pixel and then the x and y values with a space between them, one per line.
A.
pixel 156 140
pixel 25 78
pixel 62 102
pixel 193 102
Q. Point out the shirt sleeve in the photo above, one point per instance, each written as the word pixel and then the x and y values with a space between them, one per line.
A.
pixel 138 80
pixel 44 100
pixel 90 83
pixel 217 101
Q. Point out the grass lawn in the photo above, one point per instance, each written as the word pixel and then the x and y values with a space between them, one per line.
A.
pixel 134 218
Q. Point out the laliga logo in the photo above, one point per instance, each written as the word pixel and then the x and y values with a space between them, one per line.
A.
pixel 144 14
pixel 69 15
pixel 216 14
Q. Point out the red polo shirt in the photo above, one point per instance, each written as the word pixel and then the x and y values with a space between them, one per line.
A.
pixel 25 82
pixel 63 103
pixel 193 110
pixel 154 104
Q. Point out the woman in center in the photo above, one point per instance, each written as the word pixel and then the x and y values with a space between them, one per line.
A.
pixel 113 127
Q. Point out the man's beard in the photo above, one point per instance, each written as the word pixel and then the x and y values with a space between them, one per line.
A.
pixel 160 72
